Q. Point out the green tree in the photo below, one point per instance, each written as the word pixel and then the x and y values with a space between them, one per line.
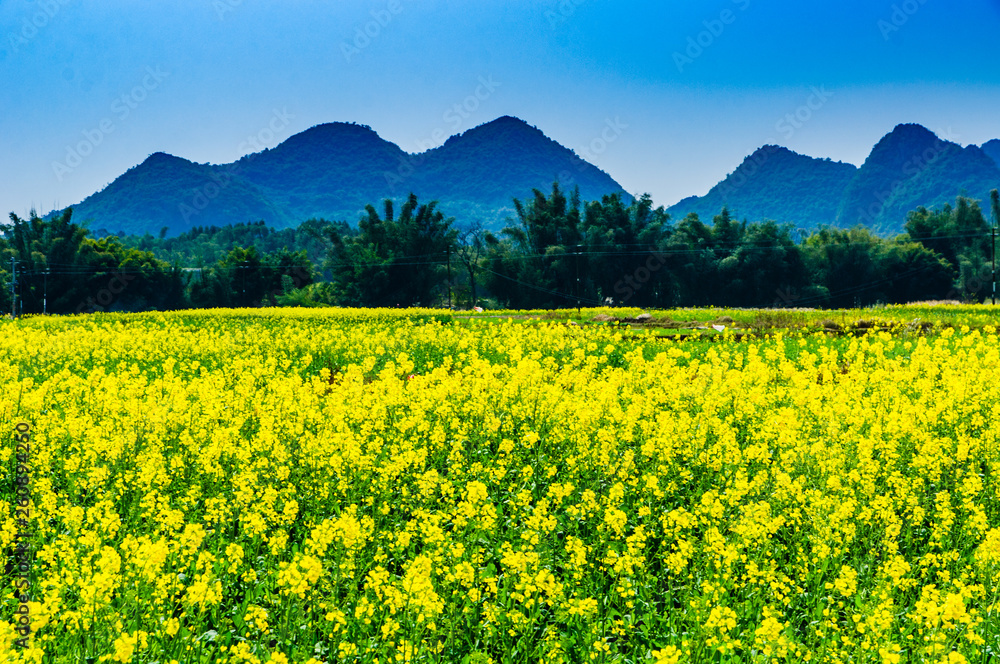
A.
pixel 915 273
pixel 844 263
pixel 856 268
pixel 622 246
pixel 693 263
pixel 120 278
pixel 6 253
pixel 767 268
pixel 392 260
pixel 471 248
pixel 243 271
pixel 961 235
pixel 995 207
pixel 49 261
pixel 536 264
pixel 61 270
pixel 287 271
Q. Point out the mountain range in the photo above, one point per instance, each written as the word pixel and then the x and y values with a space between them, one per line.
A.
pixel 333 170
pixel 908 168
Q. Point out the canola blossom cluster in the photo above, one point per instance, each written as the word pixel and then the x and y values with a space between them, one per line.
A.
pixel 374 486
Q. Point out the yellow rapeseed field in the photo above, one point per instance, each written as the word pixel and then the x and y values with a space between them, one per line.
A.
pixel 377 486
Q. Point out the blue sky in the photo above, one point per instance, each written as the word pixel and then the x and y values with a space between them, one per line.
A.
pixel 90 89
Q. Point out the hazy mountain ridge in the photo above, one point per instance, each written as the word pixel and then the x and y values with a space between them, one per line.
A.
pixel 330 170
pixel 164 189
pixel 908 168
pixel 542 160
pixel 333 170
pixel 992 150
pixel 779 184
pixel 912 167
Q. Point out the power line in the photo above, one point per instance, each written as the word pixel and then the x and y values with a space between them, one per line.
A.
pixel 541 289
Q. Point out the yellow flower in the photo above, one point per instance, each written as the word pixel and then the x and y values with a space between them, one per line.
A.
pixel 667 655
pixel 847 581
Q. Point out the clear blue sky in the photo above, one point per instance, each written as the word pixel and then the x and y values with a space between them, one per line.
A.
pixel 693 86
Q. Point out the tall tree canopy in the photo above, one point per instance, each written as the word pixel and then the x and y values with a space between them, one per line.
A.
pixel 393 260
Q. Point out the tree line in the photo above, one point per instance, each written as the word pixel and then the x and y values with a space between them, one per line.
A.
pixel 557 252
pixel 54 266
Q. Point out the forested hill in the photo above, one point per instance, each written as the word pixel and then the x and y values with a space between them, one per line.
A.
pixel 777 184
pixel 992 150
pixel 333 170
pixel 910 167
pixel 489 170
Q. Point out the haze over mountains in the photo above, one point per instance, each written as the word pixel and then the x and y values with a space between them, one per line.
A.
pixel 333 170
pixel 776 183
pixel 910 167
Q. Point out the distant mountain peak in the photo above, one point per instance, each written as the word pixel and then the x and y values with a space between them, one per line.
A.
pixel 332 133
pixel 768 152
pixel 906 137
pixel 504 127
pixel 162 158
pixel 333 170
pixel 911 167
pixel 776 157
pixel 333 128
pixel 511 123
pixel 508 120
pixel 495 161
pixel 910 129
pixel 992 149
pixel 778 184
pixel 770 147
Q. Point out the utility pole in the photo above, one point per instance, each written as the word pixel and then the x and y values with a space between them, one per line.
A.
pixel 448 251
pixel 995 213
pixel 13 288
pixel 45 293
pixel 578 279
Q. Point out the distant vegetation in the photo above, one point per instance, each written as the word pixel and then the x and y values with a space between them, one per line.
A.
pixel 776 183
pixel 559 251
pixel 333 171
pixel 908 168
